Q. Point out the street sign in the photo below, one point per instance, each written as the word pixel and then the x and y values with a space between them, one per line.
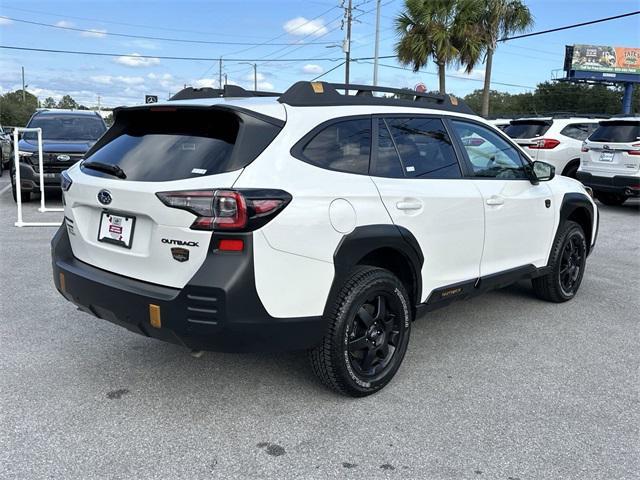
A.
pixel 151 99
pixel 420 88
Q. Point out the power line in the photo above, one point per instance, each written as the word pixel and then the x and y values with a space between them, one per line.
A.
pixel 451 76
pixel 329 71
pixel 162 57
pixel 136 25
pixel 567 27
pixel 146 37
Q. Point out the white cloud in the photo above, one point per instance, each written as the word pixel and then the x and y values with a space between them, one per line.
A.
pixel 265 86
pixel 302 26
pixel 5 21
pixel 477 74
pixel 64 24
pixel 119 79
pixel 135 60
pixel 312 68
pixel 95 33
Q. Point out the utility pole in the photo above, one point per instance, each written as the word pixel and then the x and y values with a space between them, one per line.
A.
pixel 23 94
pixel 98 102
pixel 346 47
pixel 377 47
pixel 225 79
pixel 220 74
pixel 255 77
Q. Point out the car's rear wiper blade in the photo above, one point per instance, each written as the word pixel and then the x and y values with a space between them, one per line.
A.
pixel 114 170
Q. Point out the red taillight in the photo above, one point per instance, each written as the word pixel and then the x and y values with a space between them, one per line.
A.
pixel 544 144
pixel 231 245
pixel 584 148
pixel 634 152
pixel 472 141
pixel 227 210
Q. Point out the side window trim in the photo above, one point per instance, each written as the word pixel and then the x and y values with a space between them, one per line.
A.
pixel 298 147
pixel 469 173
pixel 463 160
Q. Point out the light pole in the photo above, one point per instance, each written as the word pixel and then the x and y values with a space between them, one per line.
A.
pixel 255 74
pixel 377 47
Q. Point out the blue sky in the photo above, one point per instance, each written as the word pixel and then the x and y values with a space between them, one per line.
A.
pixel 520 63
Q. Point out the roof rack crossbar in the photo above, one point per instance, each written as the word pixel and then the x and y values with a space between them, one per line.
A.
pixel 308 94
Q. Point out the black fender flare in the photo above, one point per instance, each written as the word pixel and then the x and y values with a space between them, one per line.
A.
pixel 575 201
pixel 366 239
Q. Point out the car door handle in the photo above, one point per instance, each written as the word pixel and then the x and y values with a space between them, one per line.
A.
pixel 495 200
pixel 409 205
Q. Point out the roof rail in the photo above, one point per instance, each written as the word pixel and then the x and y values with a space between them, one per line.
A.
pixel 189 93
pixel 316 94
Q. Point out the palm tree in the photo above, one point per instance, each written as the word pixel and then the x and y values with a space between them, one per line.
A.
pixel 500 19
pixel 446 31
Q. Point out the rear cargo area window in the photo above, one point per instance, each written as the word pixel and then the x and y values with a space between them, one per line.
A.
pixel 527 129
pixel 164 144
pixel 617 132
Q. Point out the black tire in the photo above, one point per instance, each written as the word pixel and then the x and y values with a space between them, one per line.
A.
pixel 25 194
pixel 567 262
pixel 611 199
pixel 368 329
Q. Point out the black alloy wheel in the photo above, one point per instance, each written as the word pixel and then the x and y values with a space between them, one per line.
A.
pixel 374 335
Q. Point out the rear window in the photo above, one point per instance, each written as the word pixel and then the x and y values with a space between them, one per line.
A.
pixel 67 127
pixel 527 129
pixel 617 132
pixel 165 145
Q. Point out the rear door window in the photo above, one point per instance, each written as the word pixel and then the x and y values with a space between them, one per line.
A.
pixel 424 147
pixel 344 146
pixel 175 144
pixel 527 129
pixel 578 131
pixel 617 132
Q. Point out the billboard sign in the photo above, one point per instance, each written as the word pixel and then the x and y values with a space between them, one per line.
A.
pixel 605 59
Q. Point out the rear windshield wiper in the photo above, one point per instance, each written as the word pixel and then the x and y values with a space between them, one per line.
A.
pixel 114 170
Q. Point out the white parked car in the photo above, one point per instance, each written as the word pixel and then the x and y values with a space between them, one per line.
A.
pixel 610 162
pixel 555 140
pixel 313 220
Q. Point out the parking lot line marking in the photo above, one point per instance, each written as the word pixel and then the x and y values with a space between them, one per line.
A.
pixel 5 189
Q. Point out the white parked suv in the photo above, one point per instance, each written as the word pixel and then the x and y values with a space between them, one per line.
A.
pixel 610 162
pixel 555 140
pixel 310 220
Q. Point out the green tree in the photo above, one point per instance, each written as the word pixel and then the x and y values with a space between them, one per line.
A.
pixel 445 31
pixel 14 111
pixel 500 19
pixel 49 102
pixel 68 102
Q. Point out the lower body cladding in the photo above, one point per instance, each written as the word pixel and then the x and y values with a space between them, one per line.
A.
pixel 218 310
pixel 619 184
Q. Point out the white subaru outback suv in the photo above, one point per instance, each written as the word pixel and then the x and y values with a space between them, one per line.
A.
pixel 610 162
pixel 313 220
pixel 555 140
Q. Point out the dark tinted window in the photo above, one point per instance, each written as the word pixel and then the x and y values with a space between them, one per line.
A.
pixel 526 129
pixel 578 131
pixel 67 127
pixel 344 146
pixel 490 155
pixel 387 162
pixel 617 132
pixel 425 148
pixel 161 146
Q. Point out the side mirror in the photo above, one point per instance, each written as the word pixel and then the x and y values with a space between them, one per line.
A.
pixel 543 171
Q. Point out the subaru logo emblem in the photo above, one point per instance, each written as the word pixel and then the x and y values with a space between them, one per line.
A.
pixel 63 158
pixel 104 197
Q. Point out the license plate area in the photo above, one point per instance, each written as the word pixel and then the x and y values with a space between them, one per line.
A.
pixel 116 229
pixel 607 156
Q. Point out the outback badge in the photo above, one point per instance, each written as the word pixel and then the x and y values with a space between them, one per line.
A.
pixel 180 254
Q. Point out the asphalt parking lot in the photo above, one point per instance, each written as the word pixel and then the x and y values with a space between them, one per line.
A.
pixel 503 386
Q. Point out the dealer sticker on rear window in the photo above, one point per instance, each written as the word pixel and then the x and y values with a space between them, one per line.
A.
pixel 199 171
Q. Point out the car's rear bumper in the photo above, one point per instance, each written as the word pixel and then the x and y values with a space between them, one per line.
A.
pixel 623 185
pixel 217 310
